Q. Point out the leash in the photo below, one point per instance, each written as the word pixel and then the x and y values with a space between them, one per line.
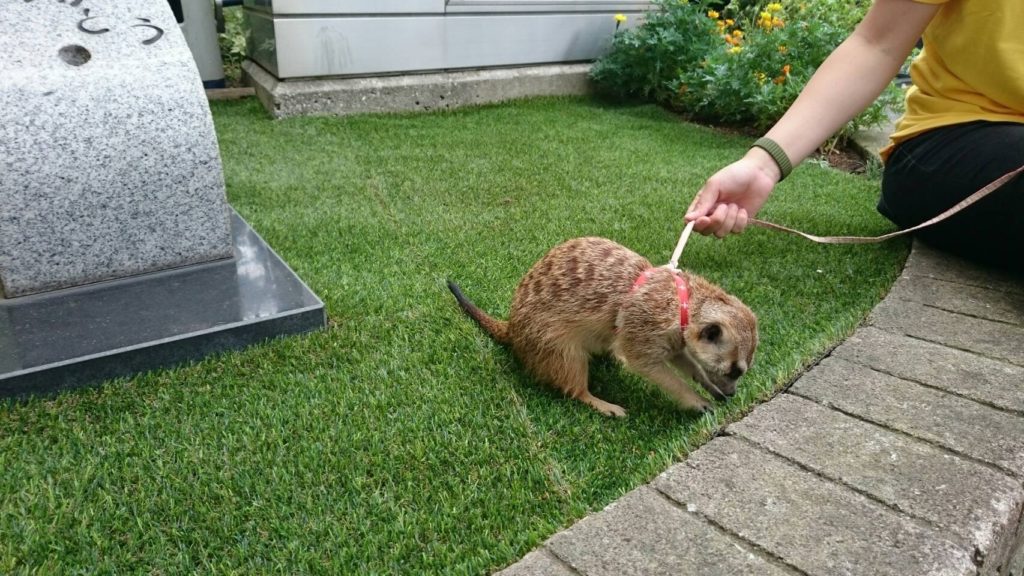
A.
pixel 673 263
pixel 683 289
pixel 988 189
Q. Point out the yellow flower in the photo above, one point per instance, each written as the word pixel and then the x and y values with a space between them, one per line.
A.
pixel 713 15
pixel 774 7
pixel 777 23
pixel 721 25
pixel 729 21
pixel 766 15
pixel 761 77
pixel 783 49
pixel 735 49
pixel 620 17
pixel 737 33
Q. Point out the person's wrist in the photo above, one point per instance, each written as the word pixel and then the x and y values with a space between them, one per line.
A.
pixel 764 162
pixel 777 153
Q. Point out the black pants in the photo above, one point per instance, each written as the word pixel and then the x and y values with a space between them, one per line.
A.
pixel 933 171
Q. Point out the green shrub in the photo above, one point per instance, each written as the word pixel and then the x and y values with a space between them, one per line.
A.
pixel 758 58
pixel 232 45
pixel 644 59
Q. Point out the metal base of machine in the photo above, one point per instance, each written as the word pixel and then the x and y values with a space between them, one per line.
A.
pixel 413 92
pixel 84 335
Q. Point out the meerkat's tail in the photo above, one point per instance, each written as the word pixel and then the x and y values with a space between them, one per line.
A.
pixel 498 329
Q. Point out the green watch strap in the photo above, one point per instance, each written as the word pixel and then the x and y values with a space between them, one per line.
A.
pixel 777 154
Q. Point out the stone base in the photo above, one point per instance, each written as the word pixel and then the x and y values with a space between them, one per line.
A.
pixel 420 92
pixel 77 336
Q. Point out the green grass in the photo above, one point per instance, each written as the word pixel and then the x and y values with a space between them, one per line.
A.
pixel 401 439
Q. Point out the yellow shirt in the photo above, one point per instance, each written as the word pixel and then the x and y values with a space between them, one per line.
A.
pixel 971 68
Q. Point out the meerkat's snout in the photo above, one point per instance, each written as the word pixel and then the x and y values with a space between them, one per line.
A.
pixel 726 384
pixel 723 386
pixel 735 371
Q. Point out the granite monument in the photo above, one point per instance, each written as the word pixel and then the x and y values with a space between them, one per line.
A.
pixel 118 250
pixel 109 159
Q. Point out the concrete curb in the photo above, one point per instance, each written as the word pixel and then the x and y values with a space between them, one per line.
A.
pixel 900 453
pixel 413 92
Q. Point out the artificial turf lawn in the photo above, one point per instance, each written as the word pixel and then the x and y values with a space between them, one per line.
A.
pixel 400 439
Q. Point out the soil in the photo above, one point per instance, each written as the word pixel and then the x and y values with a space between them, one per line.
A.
pixel 844 157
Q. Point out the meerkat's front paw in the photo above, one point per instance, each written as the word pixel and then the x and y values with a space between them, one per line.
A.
pixel 615 411
pixel 606 408
pixel 703 408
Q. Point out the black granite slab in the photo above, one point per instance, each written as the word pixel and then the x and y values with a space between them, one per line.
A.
pixel 84 335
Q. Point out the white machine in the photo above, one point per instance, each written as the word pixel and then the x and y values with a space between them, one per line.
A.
pixel 329 38
pixel 196 18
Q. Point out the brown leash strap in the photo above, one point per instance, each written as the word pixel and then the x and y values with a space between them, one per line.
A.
pixel 868 240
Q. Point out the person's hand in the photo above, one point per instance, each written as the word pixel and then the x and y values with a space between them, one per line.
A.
pixel 734 194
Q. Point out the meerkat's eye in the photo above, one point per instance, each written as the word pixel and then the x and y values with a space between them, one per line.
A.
pixel 711 333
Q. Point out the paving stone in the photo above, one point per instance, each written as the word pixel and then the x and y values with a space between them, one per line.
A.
pixel 816 525
pixel 956 423
pixel 540 562
pixel 961 298
pixel 928 262
pixel 991 381
pixel 645 534
pixel 993 339
pixel 978 504
pixel 868 142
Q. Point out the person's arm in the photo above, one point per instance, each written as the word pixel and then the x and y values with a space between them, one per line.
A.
pixel 846 83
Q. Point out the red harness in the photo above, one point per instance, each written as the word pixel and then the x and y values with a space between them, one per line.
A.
pixel 681 288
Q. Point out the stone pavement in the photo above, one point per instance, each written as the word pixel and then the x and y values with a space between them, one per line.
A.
pixel 902 452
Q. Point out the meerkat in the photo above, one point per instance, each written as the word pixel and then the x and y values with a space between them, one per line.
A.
pixel 591 296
